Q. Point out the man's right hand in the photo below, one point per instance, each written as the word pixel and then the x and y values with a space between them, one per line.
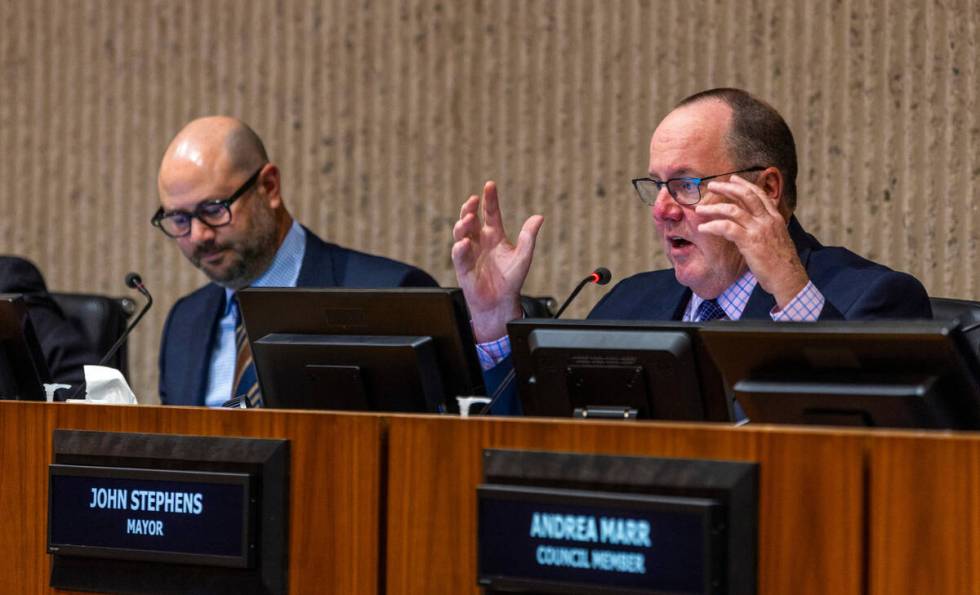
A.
pixel 489 268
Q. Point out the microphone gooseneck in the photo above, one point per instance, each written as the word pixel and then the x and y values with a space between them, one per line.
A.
pixel 600 276
pixel 134 281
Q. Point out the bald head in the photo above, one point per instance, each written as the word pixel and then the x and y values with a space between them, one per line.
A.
pixel 222 145
pixel 212 160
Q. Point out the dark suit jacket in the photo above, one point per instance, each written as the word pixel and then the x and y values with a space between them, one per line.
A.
pixel 192 325
pixel 63 345
pixel 854 289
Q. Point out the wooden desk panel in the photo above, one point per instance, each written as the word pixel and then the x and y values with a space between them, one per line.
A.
pixel 335 485
pixel 925 514
pixel 921 491
pixel 811 530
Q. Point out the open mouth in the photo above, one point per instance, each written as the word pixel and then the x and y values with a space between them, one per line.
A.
pixel 678 242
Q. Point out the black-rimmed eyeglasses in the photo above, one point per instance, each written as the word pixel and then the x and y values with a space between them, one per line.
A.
pixel 686 191
pixel 213 213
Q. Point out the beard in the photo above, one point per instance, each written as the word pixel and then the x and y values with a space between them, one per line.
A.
pixel 246 258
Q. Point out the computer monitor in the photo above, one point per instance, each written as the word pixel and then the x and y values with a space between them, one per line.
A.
pixel 362 349
pixel 660 370
pixel 23 369
pixel 910 374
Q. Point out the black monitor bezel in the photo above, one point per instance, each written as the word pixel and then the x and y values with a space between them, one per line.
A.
pixel 754 349
pixel 289 365
pixel 715 404
pixel 381 312
pixel 20 345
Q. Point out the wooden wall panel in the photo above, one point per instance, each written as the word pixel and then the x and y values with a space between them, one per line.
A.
pixel 385 115
pixel 925 514
pixel 335 485
pixel 811 530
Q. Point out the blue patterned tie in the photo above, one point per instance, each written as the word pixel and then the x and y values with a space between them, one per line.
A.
pixel 245 382
pixel 709 310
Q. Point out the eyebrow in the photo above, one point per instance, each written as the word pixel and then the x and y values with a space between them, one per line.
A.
pixel 683 172
pixel 192 209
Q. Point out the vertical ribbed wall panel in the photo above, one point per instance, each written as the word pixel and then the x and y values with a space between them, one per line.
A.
pixel 384 116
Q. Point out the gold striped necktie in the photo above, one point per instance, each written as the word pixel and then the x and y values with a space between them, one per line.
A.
pixel 245 382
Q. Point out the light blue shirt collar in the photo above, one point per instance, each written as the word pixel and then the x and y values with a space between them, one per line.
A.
pixel 285 267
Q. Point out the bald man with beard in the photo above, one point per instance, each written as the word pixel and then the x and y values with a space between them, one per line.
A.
pixel 221 203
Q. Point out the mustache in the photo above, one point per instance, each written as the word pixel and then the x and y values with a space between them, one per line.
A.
pixel 202 250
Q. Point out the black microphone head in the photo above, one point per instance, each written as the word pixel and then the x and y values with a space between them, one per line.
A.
pixel 134 280
pixel 601 276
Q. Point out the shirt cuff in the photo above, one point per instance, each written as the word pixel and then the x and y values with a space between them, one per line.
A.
pixel 805 307
pixel 492 353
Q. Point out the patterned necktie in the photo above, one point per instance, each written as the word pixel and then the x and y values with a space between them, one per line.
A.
pixel 709 310
pixel 245 382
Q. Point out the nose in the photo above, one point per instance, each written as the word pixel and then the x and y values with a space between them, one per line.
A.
pixel 200 231
pixel 665 208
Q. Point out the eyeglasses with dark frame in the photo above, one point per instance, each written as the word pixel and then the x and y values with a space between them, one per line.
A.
pixel 686 191
pixel 213 213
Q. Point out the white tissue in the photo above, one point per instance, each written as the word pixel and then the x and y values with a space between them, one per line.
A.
pixel 465 403
pixel 50 389
pixel 106 386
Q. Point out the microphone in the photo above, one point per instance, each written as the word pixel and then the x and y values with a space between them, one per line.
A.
pixel 600 276
pixel 134 281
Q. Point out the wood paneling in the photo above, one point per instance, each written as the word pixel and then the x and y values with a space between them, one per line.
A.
pixel 811 530
pixel 925 514
pixel 335 485
pixel 843 512
pixel 384 116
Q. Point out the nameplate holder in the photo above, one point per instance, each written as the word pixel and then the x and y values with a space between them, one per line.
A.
pixel 581 523
pixel 166 513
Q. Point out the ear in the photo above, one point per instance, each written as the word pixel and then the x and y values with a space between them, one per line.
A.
pixel 771 182
pixel 269 183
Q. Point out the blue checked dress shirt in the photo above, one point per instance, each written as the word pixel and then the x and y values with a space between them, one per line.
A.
pixel 283 272
pixel 805 307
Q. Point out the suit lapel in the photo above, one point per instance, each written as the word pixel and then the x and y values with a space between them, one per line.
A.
pixel 319 269
pixel 668 303
pixel 759 305
pixel 674 303
pixel 198 347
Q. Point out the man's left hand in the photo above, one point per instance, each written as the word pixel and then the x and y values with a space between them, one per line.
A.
pixel 751 220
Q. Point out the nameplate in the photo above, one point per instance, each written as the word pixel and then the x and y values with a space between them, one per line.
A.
pixel 122 513
pixel 591 541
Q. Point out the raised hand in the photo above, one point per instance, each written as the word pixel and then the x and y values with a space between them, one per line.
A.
pixel 489 268
pixel 751 220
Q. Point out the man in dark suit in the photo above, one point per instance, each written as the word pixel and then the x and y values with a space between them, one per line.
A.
pixel 722 193
pixel 221 202
pixel 63 345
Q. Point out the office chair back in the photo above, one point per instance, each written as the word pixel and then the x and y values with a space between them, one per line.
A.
pixel 538 307
pixel 102 320
pixel 965 311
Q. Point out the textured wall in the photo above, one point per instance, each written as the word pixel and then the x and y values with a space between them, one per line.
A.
pixel 384 116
